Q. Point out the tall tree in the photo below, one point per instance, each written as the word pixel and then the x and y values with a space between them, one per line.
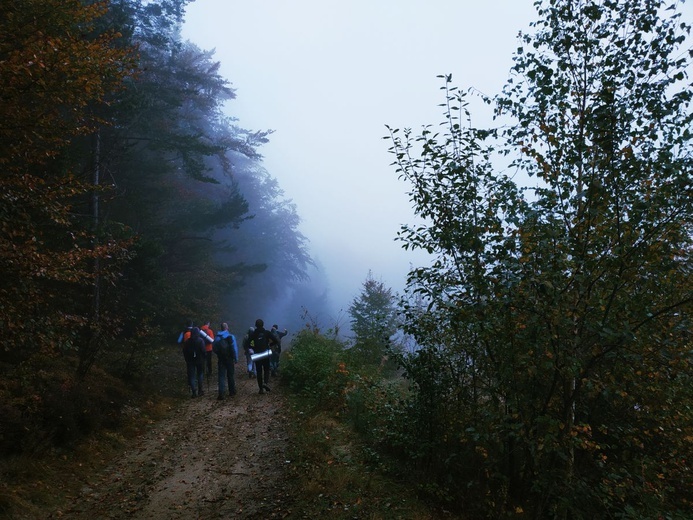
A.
pixel 169 178
pixel 55 68
pixel 373 320
pixel 565 311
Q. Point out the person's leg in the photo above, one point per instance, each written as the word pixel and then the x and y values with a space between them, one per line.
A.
pixel 221 369
pixel 264 369
pixel 230 370
pixel 190 368
pixel 273 364
pixel 208 359
pixel 200 378
pixel 258 375
pixel 249 363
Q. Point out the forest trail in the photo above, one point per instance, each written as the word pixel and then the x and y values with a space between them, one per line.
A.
pixel 207 459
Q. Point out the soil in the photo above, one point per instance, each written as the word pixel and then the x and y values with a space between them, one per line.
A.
pixel 207 459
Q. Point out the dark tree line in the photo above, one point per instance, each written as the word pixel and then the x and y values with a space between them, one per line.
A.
pixel 130 201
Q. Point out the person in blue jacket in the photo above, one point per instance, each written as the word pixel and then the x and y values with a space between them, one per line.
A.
pixel 226 349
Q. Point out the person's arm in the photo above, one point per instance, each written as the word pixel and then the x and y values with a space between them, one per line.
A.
pixel 274 338
pixel 235 348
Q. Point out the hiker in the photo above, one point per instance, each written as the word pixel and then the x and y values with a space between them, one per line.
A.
pixel 227 356
pixel 261 339
pixel 209 340
pixel 194 353
pixel 276 350
pixel 248 350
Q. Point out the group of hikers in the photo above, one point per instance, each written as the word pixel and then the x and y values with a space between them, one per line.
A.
pixel 262 349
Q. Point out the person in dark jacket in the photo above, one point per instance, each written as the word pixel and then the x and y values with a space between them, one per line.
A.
pixel 276 350
pixel 261 340
pixel 227 356
pixel 194 354
pixel 248 350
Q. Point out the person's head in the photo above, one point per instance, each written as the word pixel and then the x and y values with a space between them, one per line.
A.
pixel 259 324
pixel 195 332
pixel 251 330
pixel 224 326
pixel 208 323
pixel 275 326
pixel 189 324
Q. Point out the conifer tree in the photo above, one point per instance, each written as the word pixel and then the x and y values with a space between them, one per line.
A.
pixel 373 320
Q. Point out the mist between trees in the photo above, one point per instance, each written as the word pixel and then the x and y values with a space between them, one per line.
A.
pixel 552 373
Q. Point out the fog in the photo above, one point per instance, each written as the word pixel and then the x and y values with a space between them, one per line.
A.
pixel 327 77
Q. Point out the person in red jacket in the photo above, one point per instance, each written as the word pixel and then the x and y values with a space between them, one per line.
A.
pixel 208 335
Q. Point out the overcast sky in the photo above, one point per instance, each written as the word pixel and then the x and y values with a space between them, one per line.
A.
pixel 327 76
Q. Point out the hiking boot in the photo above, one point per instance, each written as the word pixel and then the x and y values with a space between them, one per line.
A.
pixel 221 397
pixel 250 375
pixel 274 373
pixel 262 390
pixel 266 388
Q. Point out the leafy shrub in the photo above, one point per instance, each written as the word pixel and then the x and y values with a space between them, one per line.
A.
pixel 314 367
pixel 369 401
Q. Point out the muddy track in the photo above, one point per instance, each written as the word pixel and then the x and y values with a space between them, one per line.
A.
pixel 208 459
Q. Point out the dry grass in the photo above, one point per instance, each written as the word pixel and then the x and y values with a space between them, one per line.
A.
pixel 333 478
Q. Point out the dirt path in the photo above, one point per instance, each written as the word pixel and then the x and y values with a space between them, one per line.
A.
pixel 209 459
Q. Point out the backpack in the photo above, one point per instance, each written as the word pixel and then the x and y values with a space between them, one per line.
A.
pixel 260 340
pixel 189 351
pixel 223 347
